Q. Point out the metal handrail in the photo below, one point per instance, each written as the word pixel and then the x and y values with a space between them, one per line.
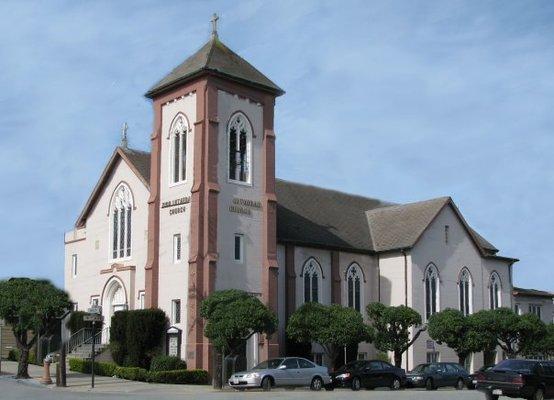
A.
pixel 98 336
pixel 78 338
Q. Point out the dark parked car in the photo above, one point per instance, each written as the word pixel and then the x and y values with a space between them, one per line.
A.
pixel 440 374
pixel 527 379
pixel 477 374
pixel 369 374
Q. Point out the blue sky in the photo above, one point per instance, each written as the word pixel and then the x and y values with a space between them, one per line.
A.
pixel 399 100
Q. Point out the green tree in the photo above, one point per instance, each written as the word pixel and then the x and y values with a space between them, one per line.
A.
pixel 515 334
pixel 393 326
pixel 457 331
pixel 32 308
pixel 332 327
pixel 232 317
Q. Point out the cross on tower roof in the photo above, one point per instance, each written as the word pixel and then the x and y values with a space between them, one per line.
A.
pixel 214 20
pixel 124 141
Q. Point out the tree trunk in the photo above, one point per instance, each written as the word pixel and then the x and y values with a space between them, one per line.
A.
pixel 462 359
pixel 23 367
pixel 398 359
pixel 217 380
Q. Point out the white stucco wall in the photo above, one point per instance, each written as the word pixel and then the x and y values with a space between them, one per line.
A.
pixel 449 258
pixel 173 277
pixel 94 250
pixel 546 305
pixel 245 275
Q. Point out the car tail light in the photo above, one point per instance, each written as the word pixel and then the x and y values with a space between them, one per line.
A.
pixel 518 379
pixel 479 377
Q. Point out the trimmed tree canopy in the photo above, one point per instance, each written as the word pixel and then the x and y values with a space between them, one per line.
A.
pixel 392 328
pixel 455 330
pixel 233 316
pixel 332 327
pixel 34 306
pixel 515 334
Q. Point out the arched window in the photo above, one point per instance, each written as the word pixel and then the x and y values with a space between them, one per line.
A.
pixel 354 279
pixel 240 138
pixel 121 212
pixel 494 291
pixel 178 138
pixel 312 274
pixel 431 290
pixel 465 290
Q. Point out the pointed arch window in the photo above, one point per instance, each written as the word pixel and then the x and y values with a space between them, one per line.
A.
pixel 494 291
pixel 240 143
pixel 312 275
pixel 178 137
pixel 121 212
pixel 431 290
pixel 465 292
pixel 354 279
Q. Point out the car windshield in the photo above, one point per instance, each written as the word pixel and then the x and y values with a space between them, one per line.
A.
pixel 514 365
pixel 269 364
pixel 420 368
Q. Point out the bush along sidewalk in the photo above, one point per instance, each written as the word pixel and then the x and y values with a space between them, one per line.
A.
pixel 180 376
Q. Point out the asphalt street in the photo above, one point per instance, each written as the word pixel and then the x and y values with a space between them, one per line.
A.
pixel 16 390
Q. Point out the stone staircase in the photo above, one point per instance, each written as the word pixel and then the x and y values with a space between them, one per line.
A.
pixel 80 343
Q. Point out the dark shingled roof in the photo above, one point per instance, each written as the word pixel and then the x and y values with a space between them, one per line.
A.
pixel 216 58
pixel 322 217
pixel 141 160
pixel 517 291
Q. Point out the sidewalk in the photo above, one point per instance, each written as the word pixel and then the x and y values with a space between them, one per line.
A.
pixel 78 382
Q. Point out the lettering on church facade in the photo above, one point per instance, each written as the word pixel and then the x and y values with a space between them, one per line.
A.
pixel 174 203
pixel 245 206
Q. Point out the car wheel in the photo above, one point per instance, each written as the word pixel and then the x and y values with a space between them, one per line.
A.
pixel 490 396
pixel 429 384
pixel 460 384
pixel 395 384
pixel 266 384
pixel 356 384
pixel 539 394
pixel 317 384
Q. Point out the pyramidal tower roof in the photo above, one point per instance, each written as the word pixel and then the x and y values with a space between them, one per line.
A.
pixel 216 58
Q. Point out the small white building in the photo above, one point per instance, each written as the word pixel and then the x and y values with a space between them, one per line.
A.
pixel 203 211
pixel 532 301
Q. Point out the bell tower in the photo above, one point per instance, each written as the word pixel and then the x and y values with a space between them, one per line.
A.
pixel 225 191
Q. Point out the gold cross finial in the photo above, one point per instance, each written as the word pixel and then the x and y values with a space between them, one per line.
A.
pixel 124 141
pixel 214 20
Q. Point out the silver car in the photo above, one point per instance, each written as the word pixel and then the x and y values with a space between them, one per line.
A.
pixel 287 371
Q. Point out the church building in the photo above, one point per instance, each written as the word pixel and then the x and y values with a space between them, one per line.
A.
pixel 203 211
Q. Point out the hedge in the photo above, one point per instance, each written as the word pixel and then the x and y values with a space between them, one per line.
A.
pixel 136 336
pixel 75 322
pixel 13 355
pixel 184 376
pixel 167 363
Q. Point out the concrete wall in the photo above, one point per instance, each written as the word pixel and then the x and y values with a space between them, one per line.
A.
pixel 93 247
pixel 173 276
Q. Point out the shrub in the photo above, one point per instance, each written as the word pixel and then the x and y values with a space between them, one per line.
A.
pixel 184 376
pixel 13 355
pixel 117 336
pixel 137 336
pixel 382 356
pixel 75 322
pixel 167 363
pixel 132 373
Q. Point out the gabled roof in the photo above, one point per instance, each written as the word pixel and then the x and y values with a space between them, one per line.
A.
pixel 315 216
pixel 214 57
pixel 138 161
pixel 517 291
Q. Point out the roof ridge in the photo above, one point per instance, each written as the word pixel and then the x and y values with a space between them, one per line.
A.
pixel 400 205
pixel 134 150
pixel 335 191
